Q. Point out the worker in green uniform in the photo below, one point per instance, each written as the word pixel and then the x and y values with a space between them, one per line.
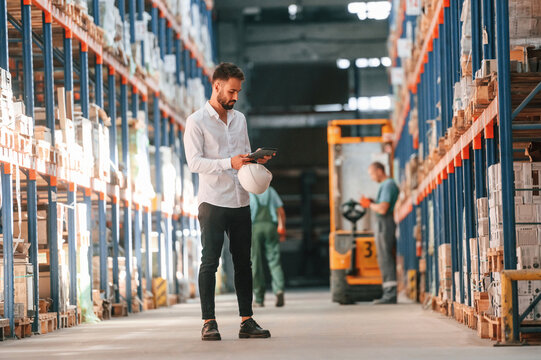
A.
pixel 268 229
pixel 385 237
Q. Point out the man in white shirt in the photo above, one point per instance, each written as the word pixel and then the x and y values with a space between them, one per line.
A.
pixel 217 146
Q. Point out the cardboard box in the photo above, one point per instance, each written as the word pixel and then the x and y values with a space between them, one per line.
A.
pixel 526 235
pixel 483 227
pixel 529 257
pixel 526 213
pixel 23 233
pixel 482 208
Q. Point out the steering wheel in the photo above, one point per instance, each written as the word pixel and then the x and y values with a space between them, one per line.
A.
pixel 352 210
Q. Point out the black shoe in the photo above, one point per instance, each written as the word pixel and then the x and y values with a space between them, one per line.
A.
pixel 384 301
pixel 280 299
pixel 210 331
pixel 249 329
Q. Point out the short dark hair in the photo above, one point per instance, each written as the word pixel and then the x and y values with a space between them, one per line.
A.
pixel 378 165
pixel 226 70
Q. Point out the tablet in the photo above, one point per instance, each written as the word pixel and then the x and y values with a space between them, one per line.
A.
pixel 262 153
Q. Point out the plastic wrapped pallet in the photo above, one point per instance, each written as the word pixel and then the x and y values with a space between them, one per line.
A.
pixel 525 22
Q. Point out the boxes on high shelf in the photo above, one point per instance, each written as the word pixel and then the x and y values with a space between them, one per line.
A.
pixel 42 133
pixel 495 199
pixel 474 256
pixel 83 135
pixel 496 237
pixel 42 227
pixel 494 177
pixel 100 148
pixel 445 269
pixel 529 257
pixel 526 235
pixel 482 227
pixel 482 208
pixel 524 22
pixel 525 213
pixel 19 108
pixel 483 245
pixel 458 290
pixel 24 125
pixel 5 79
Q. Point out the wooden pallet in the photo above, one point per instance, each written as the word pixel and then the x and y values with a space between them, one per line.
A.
pixel 470 317
pixel 4 329
pixel 119 309
pixel 48 322
pixel 495 259
pixel 482 327
pixel 23 328
pixel 494 327
pixel 68 319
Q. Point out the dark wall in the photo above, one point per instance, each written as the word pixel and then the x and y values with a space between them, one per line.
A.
pixel 280 87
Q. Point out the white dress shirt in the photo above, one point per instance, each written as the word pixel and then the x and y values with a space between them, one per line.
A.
pixel 210 144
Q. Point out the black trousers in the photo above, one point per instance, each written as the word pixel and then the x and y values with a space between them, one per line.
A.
pixel 237 224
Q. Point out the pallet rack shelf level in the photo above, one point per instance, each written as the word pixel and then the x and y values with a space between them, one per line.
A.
pixel 412 80
pixel 478 127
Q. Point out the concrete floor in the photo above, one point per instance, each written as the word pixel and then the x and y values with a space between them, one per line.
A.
pixel 308 327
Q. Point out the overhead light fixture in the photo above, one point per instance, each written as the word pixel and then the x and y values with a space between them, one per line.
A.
pixel 374 62
pixel 361 63
pixel 386 61
pixel 380 102
pixel 328 108
pixel 352 103
pixel 363 103
pixel 342 63
pixel 376 10
pixel 356 7
pixel 293 10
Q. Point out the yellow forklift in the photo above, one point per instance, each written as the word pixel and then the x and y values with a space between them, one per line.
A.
pixel 355 275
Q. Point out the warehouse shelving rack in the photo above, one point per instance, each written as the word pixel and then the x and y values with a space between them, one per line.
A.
pixel 72 186
pixel 458 177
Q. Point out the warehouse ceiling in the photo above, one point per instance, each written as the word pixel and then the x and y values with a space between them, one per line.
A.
pixel 289 51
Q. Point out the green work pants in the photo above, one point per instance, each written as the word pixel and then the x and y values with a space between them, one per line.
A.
pixel 265 237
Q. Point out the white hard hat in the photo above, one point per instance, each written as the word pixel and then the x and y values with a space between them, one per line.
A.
pixel 254 178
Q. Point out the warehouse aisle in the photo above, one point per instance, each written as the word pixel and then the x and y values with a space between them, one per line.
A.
pixel 309 327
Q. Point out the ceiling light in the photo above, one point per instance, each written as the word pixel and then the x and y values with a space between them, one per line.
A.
pixel 356 7
pixel 380 102
pixel 292 9
pixel 361 63
pixel 374 62
pixel 386 61
pixel 352 103
pixel 328 108
pixel 363 103
pixel 342 63
pixel 378 10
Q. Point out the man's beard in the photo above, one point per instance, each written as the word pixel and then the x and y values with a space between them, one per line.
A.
pixel 226 105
